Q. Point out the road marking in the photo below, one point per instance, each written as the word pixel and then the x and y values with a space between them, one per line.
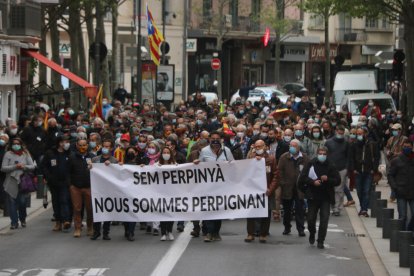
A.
pixel 330 256
pixel 54 272
pixel 170 259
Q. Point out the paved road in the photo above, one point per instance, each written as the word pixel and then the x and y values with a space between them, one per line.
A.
pixel 23 251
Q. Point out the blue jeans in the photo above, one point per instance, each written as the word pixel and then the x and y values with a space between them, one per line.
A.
pixel 363 182
pixel 17 208
pixel 402 205
pixel 347 193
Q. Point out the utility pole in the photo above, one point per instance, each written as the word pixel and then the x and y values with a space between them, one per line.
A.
pixel 139 62
pixel 184 61
pixel 97 46
pixel 163 31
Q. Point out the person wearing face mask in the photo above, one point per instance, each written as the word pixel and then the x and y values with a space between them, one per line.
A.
pixel 119 152
pixel 363 161
pixel 107 159
pixel 55 167
pixel 262 135
pixel 106 108
pixel 4 140
pixel 216 152
pixel 299 132
pixel 80 162
pixel 52 132
pixel 316 141
pixel 95 143
pixel 34 137
pixel 338 153
pixel 16 161
pixel 318 181
pixel 12 130
pixel 232 143
pixel 214 124
pixel 166 158
pixel 290 166
pixel 271 172
pixel 400 177
pixel 371 109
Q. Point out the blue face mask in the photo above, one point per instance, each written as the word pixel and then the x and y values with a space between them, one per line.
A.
pixel 360 138
pixel 118 135
pixel 293 150
pixel 339 136
pixel 105 151
pixel 395 133
pixel 317 135
pixel 2 143
pixel 321 158
pixel 352 136
pixel 86 126
pixel 16 147
pixel 407 150
pixel 298 132
pixel 92 144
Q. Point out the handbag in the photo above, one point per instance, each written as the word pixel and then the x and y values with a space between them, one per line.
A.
pixel 27 183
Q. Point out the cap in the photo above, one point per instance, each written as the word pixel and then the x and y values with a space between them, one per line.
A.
pixel 396 126
pixel 125 137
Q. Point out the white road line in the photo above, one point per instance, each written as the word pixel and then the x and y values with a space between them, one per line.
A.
pixel 170 259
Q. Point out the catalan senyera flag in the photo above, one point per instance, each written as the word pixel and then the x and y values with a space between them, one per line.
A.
pixel 45 121
pixel 97 107
pixel 155 38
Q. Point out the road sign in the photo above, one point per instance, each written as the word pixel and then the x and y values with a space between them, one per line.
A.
pixel 215 64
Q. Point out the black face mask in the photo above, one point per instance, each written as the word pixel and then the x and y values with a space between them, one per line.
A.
pixel 130 156
pixel 271 140
pixel 215 143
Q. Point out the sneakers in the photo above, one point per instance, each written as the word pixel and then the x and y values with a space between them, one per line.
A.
pixel 262 239
pixel 77 233
pixel 312 238
pixel 195 233
pixel 216 237
pixel 66 225
pixel 58 227
pixel 163 238
pixel 349 203
pixel 208 238
pixel 14 226
pixel 170 236
pixel 249 238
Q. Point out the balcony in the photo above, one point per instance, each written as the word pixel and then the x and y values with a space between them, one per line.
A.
pixel 242 24
pixel 25 19
pixel 351 36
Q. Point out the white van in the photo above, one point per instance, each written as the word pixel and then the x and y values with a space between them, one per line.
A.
pixel 353 82
pixel 355 103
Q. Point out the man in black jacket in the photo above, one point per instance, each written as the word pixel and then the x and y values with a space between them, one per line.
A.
pixel 363 161
pixel 400 177
pixel 55 166
pixel 80 185
pixel 318 181
pixel 34 137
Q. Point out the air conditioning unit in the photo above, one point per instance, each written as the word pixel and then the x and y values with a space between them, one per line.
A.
pixel 228 20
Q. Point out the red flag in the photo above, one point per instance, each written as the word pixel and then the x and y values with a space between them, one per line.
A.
pixel 155 38
pixel 266 37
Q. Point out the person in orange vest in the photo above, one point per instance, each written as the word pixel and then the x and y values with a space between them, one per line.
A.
pixel 119 153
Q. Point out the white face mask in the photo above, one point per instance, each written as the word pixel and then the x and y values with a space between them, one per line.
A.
pixel 151 151
pixel 240 134
pixel 166 156
pixel 66 146
pixel 255 132
pixel 13 131
pixel 260 151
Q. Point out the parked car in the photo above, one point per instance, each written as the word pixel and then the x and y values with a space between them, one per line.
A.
pixel 295 88
pixel 210 96
pixel 256 93
pixel 356 102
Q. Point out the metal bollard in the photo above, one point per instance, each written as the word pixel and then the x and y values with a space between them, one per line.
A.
pixel 411 259
pixel 387 216
pixel 396 225
pixel 373 196
pixel 405 240
pixel 377 206
pixel 40 186
pixel 381 204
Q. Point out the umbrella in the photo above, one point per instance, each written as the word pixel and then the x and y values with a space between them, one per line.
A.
pixel 279 114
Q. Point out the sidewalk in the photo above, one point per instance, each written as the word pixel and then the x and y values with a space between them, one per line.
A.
pixel 389 260
pixel 35 208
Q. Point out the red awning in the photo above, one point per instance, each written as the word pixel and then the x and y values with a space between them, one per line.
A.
pixel 90 90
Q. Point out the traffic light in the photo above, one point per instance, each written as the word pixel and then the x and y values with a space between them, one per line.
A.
pixel 398 65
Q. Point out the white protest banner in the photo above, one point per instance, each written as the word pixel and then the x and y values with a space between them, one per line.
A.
pixel 210 190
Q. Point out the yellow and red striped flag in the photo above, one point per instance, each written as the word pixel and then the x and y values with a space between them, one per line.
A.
pixel 97 107
pixel 45 121
pixel 155 38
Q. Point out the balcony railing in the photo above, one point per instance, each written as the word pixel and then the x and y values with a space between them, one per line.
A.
pixel 242 24
pixel 350 35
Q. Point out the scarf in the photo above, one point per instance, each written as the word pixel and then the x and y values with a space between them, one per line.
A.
pixel 153 158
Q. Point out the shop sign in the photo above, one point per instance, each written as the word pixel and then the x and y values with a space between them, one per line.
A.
pixel 317 52
pixel 296 53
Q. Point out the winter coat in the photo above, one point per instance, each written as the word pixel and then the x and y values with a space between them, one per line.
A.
pixel 338 152
pixel 8 166
pixel 79 171
pixel 55 167
pixel 364 157
pixel 35 140
pixel 324 192
pixel 289 171
pixel 401 175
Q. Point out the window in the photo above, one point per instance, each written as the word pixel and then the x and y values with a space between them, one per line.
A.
pixel 207 6
pixel 371 23
pixel 4 65
pixel 234 9
pixel 316 22
pixel 255 25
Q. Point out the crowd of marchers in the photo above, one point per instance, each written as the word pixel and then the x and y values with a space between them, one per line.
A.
pixel 314 157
